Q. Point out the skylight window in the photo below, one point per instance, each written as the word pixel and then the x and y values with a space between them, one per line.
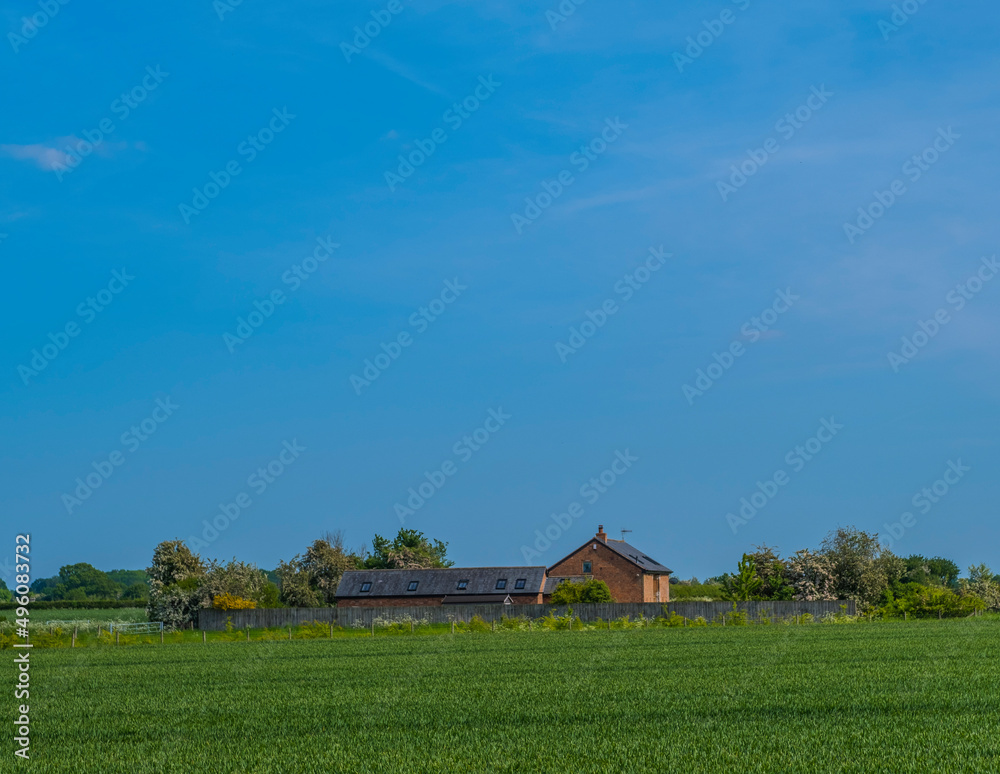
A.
pixel 502 584
pixel 412 586
pixel 463 585
pixel 366 586
pixel 519 584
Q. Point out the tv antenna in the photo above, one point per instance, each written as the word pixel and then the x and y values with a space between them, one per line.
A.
pixel 623 534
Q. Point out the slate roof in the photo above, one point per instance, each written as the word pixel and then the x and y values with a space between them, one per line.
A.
pixel 636 556
pixel 439 583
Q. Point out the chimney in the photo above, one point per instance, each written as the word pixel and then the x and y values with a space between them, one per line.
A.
pixel 601 534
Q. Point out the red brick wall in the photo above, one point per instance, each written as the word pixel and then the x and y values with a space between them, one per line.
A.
pixel 624 579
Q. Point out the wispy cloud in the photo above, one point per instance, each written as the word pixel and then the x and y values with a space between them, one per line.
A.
pixel 44 156
pixel 405 71
pixel 54 155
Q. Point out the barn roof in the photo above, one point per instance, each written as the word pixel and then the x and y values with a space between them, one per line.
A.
pixel 440 582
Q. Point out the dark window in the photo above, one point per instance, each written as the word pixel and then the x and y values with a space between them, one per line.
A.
pixel 463 585
pixel 366 586
pixel 502 583
pixel 588 568
pixel 412 586
pixel 519 584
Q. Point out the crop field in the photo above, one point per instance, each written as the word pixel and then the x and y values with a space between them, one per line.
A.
pixel 922 697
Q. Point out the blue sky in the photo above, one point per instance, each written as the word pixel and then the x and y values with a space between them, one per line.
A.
pixel 660 125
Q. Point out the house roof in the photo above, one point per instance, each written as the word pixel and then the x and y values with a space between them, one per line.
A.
pixel 440 582
pixel 636 556
pixel 643 561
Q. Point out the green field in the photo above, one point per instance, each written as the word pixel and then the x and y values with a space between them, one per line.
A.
pixel 917 697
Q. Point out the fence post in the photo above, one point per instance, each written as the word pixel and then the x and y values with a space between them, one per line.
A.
pixel 248 634
pixel 373 627
pixel 289 633
pixel 452 627
pixel 117 640
pixel 411 626
pixel 161 636
pixel 204 637
pixel 73 641
pixel 723 619
pixel 494 625
pixel 331 631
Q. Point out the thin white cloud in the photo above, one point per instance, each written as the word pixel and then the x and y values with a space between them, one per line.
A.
pixel 43 156
pixel 404 71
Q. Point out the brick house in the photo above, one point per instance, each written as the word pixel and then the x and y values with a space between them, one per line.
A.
pixel 631 575
pixel 451 586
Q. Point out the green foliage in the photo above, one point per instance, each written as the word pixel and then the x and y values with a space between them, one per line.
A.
pixel 745 584
pixel 932 602
pixel 589 591
pixel 700 592
pixel 930 572
pixel 409 550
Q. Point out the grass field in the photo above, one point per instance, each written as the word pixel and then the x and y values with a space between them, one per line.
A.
pixel 920 697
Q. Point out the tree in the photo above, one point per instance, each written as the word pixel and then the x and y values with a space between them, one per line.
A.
pixel 410 550
pixel 175 578
pixel 982 584
pixel 811 576
pixel 862 569
pixel 325 561
pixel 773 574
pixel 173 561
pixel 5 593
pixel 297 589
pixel 84 581
pixel 745 584
pixel 936 571
pixel 570 593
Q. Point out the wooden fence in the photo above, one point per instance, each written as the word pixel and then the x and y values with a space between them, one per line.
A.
pixel 348 617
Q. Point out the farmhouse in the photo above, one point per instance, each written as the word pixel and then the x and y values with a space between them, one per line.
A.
pixel 631 576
